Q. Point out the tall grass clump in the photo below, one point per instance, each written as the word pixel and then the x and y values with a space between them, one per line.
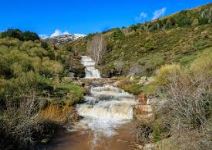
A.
pixel 189 99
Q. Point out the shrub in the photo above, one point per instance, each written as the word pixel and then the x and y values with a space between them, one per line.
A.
pixel 130 86
pixel 187 109
pixel 69 92
pixel 202 65
pixel 30 36
pixel 189 91
pixel 23 36
pixel 117 34
pixel 156 133
pixel 51 68
pixel 14 33
pixel 19 130
pixel 182 19
pixel 44 45
pixel 165 72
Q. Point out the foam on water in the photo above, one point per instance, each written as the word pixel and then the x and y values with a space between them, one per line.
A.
pixel 103 115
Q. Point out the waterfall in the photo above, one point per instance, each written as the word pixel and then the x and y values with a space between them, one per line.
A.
pixel 106 107
pixel 90 70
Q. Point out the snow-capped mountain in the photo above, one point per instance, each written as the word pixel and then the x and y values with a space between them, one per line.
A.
pixel 61 39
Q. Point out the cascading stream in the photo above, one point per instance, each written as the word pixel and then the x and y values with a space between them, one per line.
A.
pixel 106 122
pixel 106 107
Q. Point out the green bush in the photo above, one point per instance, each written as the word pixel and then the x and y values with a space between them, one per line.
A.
pixel 30 36
pixel 165 72
pixel 156 132
pixel 23 36
pixel 74 93
pixel 130 86
pixel 203 64
pixel 14 33
pixel 50 67
pixel 117 34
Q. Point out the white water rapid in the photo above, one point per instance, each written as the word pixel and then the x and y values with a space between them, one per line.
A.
pixel 90 70
pixel 106 107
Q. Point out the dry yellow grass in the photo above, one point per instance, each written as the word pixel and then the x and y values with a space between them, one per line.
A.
pixel 58 114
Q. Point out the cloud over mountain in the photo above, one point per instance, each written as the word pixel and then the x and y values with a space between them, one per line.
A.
pixel 142 16
pixel 158 13
pixel 58 32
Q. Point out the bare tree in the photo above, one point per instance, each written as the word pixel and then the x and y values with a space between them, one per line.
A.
pixel 97 47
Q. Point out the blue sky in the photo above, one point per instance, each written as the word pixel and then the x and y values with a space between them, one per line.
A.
pixel 84 16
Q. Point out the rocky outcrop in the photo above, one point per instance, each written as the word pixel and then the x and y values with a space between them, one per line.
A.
pixel 143 113
pixel 143 110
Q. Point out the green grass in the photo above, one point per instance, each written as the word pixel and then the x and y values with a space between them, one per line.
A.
pixel 130 86
pixel 75 92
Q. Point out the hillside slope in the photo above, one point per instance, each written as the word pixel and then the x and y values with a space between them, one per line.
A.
pixel 142 48
pixel 35 94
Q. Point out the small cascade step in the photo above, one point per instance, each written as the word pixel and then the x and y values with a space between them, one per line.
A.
pixel 90 70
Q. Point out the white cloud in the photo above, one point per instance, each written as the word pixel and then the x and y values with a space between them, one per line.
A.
pixel 141 16
pixel 159 13
pixel 58 32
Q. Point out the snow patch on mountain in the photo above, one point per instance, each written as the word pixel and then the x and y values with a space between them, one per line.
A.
pixel 59 37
